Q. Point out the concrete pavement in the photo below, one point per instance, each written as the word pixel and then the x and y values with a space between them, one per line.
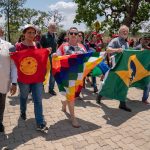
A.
pixel 103 127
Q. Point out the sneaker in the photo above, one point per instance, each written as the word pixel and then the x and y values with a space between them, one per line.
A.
pixel 52 92
pixel 42 127
pixel 30 96
pixel 23 116
pixel 2 127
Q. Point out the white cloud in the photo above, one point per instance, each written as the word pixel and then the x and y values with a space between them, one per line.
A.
pixel 68 10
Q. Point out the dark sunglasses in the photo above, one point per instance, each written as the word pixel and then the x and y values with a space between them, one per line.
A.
pixel 79 35
pixel 75 33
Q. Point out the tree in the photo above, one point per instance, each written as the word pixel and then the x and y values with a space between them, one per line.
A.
pixel 10 9
pixel 32 16
pixel 146 26
pixel 17 16
pixel 56 16
pixel 114 13
pixel 41 21
pixel 40 18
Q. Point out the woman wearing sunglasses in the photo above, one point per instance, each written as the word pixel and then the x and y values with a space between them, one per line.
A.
pixel 68 48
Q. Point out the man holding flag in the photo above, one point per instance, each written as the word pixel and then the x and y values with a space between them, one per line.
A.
pixel 117 45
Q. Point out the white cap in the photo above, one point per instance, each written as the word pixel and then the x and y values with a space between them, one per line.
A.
pixel 29 26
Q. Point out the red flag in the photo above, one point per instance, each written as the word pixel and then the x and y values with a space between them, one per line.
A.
pixel 31 65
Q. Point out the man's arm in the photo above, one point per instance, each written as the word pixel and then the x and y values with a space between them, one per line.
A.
pixel 113 47
pixel 114 50
pixel 13 76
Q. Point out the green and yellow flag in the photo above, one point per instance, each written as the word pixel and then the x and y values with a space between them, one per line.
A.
pixel 132 70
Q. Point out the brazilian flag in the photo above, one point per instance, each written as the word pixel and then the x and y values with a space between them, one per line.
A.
pixel 132 70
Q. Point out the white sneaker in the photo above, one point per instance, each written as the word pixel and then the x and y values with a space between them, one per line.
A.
pixel 30 96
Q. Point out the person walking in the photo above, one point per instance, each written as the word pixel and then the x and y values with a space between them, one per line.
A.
pixel 8 74
pixel 28 43
pixel 68 48
pixel 48 40
pixel 118 45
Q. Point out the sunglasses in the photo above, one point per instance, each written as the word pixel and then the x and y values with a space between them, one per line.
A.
pixel 79 35
pixel 75 33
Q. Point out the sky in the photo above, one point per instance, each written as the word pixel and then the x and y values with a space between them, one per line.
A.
pixel 66 7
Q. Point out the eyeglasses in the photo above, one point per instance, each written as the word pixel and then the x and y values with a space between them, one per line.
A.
pixel 79 35
pixel 75 33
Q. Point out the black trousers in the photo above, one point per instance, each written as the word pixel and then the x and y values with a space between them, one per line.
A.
pixel 2 106
pixel 123 104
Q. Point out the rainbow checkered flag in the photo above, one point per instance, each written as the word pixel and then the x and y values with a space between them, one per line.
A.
pixel 70 70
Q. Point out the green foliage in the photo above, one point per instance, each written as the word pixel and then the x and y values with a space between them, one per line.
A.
pixel 11 9
pixel 114 13
pixel 17 16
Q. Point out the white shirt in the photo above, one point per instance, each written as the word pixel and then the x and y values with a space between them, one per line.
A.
pixel 8 71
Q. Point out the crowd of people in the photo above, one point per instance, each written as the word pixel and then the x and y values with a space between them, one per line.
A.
pixel 67 43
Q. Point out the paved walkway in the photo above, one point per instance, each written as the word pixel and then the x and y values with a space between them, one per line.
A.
pixel 103 127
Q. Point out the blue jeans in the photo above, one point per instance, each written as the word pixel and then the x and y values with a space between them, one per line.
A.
pixel 51 79
pixel 36 90
pixel 146 92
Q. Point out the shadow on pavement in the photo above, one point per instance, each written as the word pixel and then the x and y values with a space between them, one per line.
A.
pixel 14 100
pixel 84 104
pixel 63 128
pixel 86 99
pixel 46 95
pixel 88 94
pixel 116 116
pixel 22 133
pixel 25 131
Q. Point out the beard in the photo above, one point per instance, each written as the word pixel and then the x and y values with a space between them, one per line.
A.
pixel 124 36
